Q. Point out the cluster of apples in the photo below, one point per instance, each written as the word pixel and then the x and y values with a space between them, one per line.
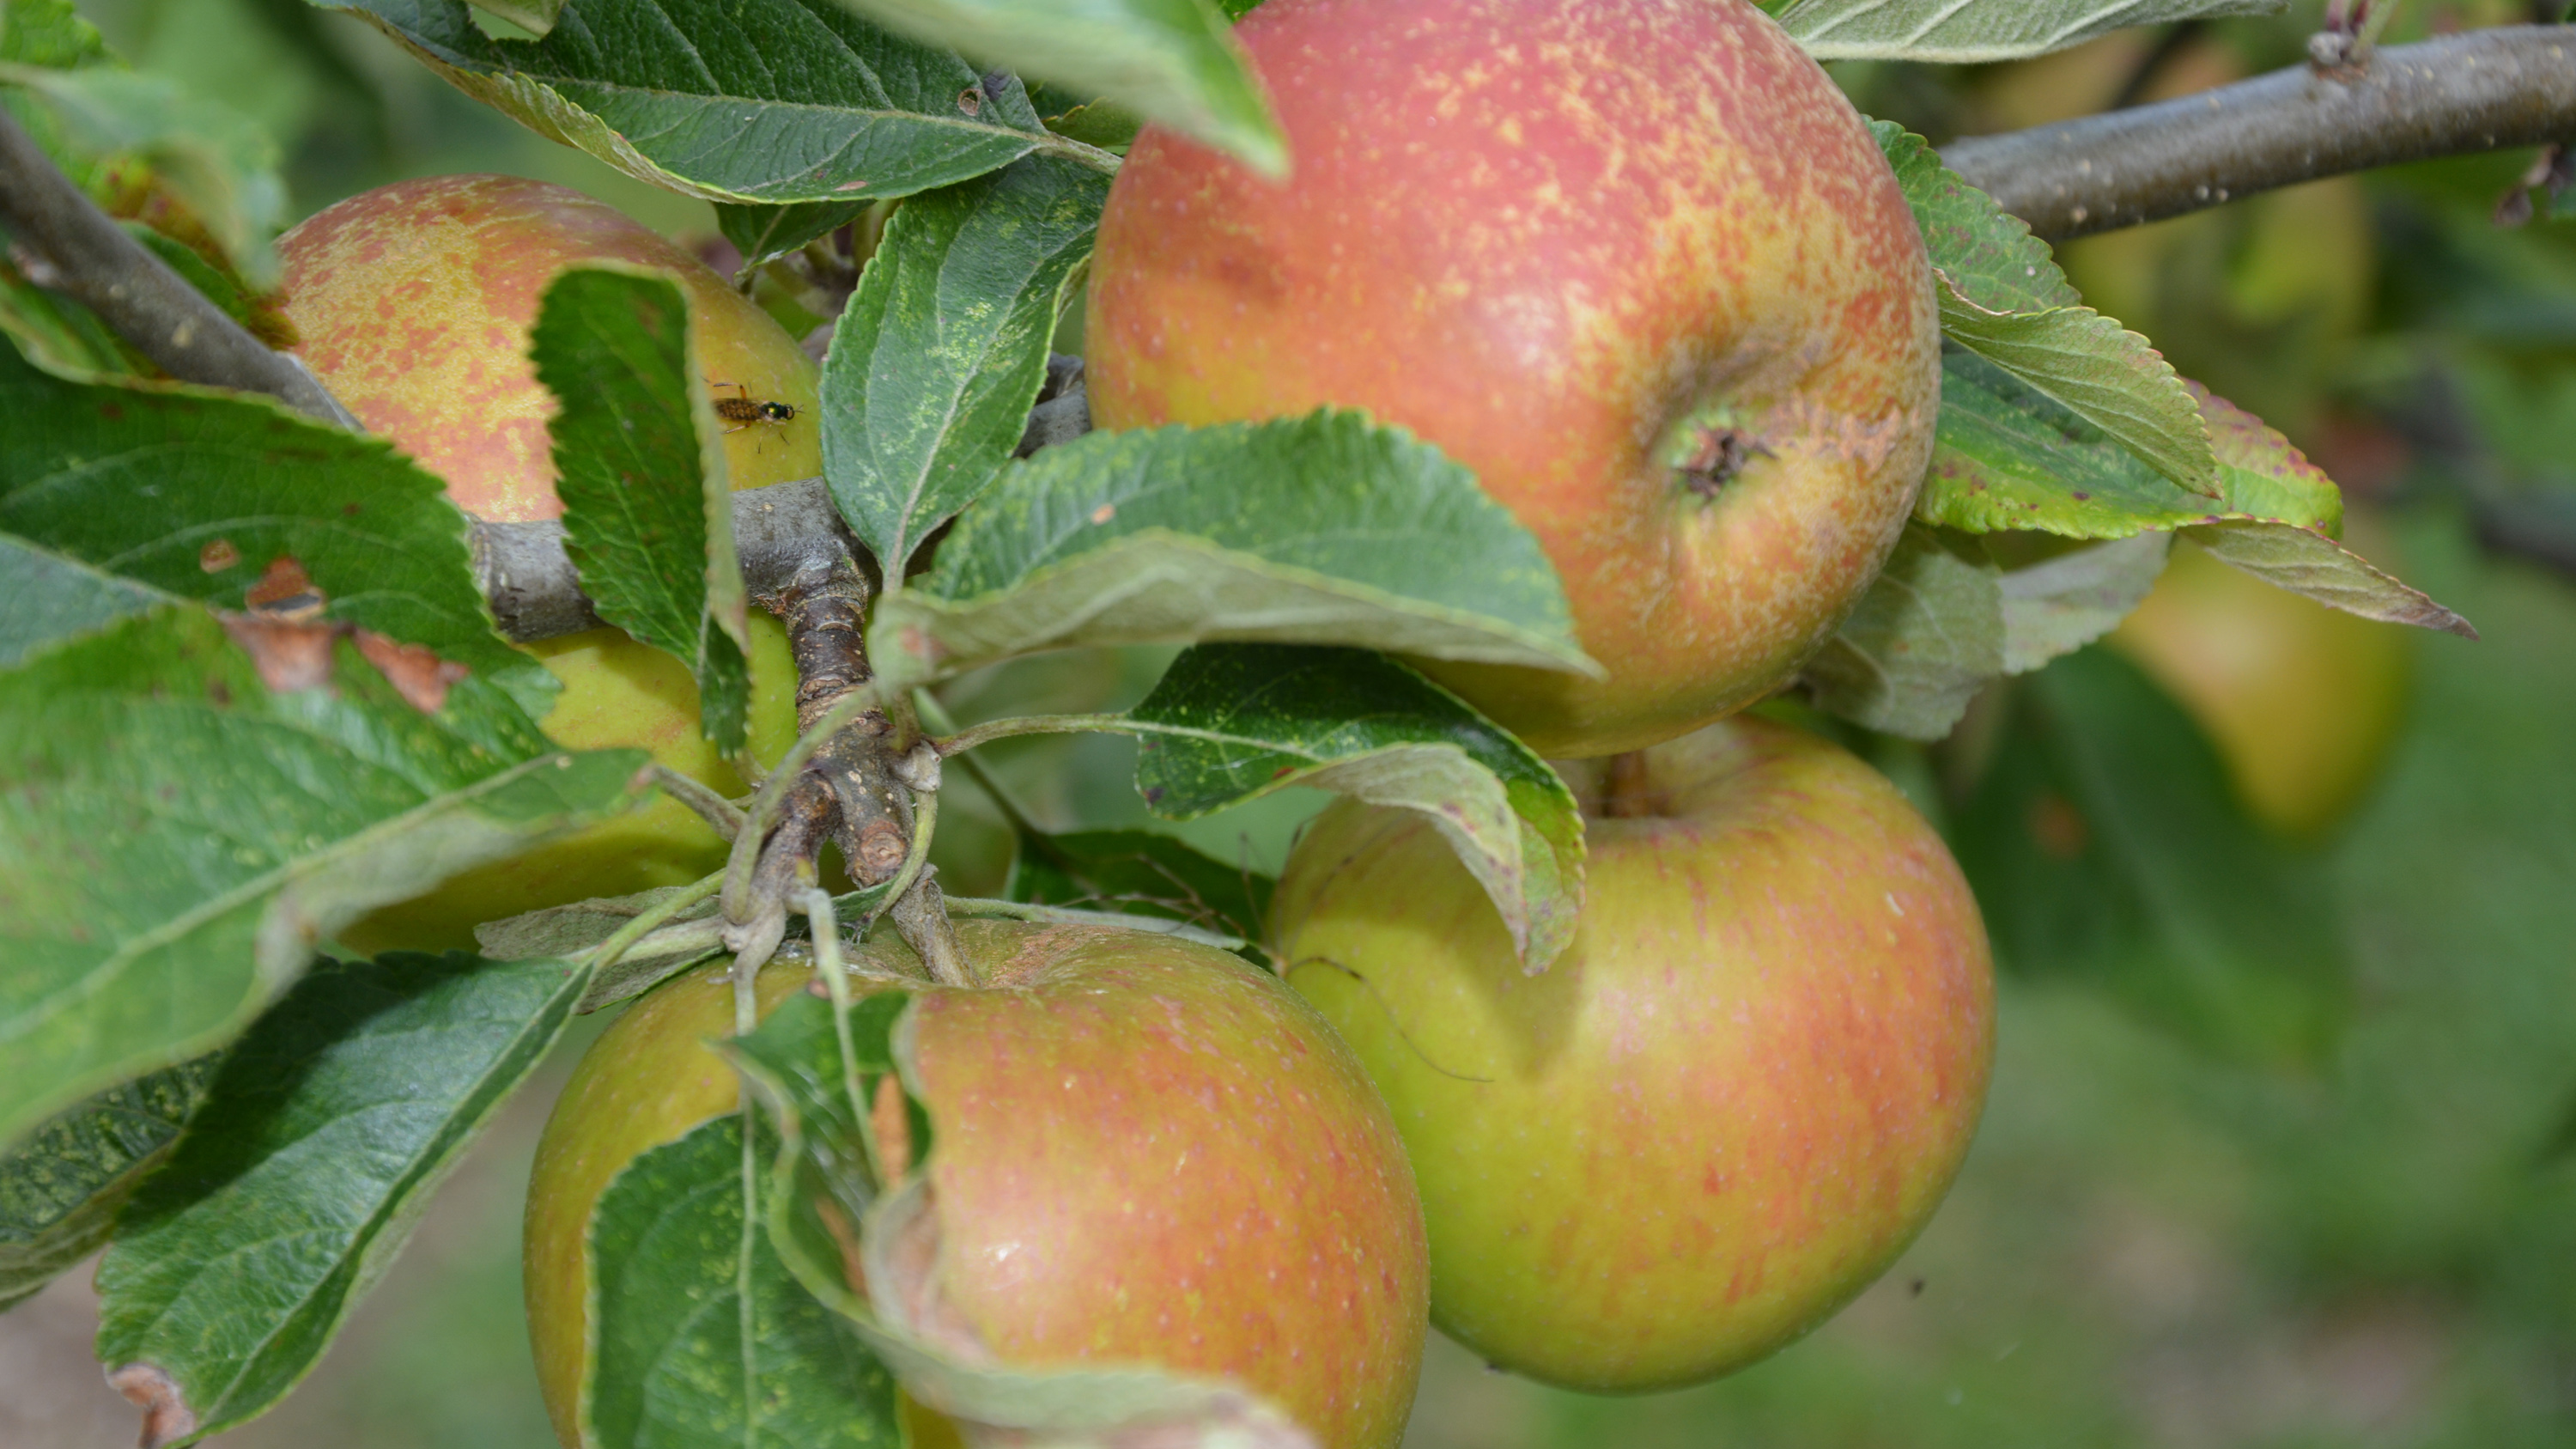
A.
pixel 1638 264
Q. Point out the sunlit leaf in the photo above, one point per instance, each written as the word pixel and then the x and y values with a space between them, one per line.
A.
pixel 2002 296
pixel 935 363
pixel 176 838
pixel 1323 529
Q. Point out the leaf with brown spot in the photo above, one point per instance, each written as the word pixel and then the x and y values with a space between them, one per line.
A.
pixel 188 852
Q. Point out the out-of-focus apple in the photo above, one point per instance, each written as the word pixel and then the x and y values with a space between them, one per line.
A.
pixel 2304 702
pixel 1636 262
pixel 1143 1151
pixel 1723 1112
pixel 414 303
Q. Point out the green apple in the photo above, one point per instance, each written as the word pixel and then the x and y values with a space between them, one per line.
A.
pixel 413 303
pixel 2304 702
pixel 1635 262
pixel 1145 1151
pixel 1723 1112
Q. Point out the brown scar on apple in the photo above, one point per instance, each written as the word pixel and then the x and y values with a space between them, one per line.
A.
pixel 1717 454
pixel 167 1419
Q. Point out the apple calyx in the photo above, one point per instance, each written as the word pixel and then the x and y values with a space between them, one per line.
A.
pixel 1708 449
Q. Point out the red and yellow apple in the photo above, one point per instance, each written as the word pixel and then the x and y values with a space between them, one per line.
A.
pixel 1719 1115
pixel 1143 1151
pixel 414 303
pixel 1635 262
pixel 2303 702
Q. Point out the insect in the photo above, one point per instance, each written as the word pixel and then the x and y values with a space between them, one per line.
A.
pixel 745 411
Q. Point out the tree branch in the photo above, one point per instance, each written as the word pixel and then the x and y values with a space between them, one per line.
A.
pixel 2483 91
pixel 778 531
pixel 150 306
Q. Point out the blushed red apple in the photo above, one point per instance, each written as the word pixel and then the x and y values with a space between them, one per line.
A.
pixel 1143 1151
pixel 1635 262
pixel 414 304
pixel 1723 1112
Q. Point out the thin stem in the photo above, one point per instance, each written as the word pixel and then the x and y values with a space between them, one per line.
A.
pixel 96 263
pixel 925 818
pixel 617 945
pixel 711 807
pixel 936 717
pixel 826 927
pixel 926 930
pixel 773 794
pixel 1033 724
pixel 975 908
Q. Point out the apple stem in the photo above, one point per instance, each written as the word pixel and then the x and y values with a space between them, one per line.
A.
pixel 1627 793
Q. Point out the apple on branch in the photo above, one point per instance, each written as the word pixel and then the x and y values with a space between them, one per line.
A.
pixel 1635 262
pixel 414 303
pixel 1143 1151
pixel 1723 1112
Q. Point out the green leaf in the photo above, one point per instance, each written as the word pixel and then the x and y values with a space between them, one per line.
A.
pixel 821 1186
pixel 2305 561
pixel 763 101
pixel 175 838
pixel 942 350
pixel 1174 62
pixel 49 33
pixel 1139 872
pixel 1924 639
pixel 648 513
pixel 1945 619
pixel 217 160
pixel 765 233
pixel 2007 457
pixel 533 16
pixel 195 493
pixel 1230 723
pixel 61 1189
pixel 1972 31
pixel 1326 529
pixel 2105 844
pixel 2065 602
pixel 320 1140
pixel 2002 296
pixel 45 598
pixel 702 1336
pixel 57 333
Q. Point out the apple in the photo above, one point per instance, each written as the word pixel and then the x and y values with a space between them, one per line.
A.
pixel 413 303
pixel 2303 702
pixel 1723 1112
pixel 1144 1151
pixel 1635 262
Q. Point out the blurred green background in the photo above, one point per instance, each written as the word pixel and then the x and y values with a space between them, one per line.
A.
pixel 2150 1245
